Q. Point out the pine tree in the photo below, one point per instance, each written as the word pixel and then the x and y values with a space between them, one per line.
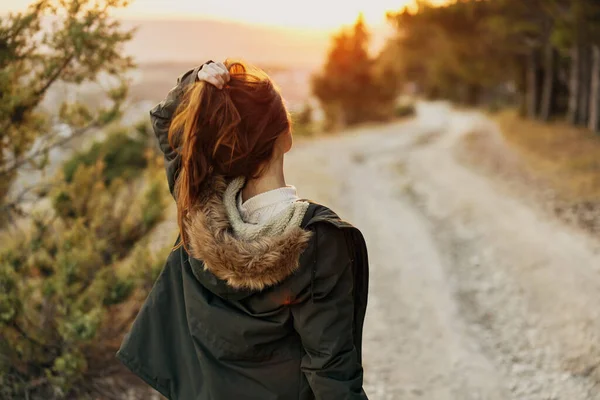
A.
pixel 349 87
pixel 72 42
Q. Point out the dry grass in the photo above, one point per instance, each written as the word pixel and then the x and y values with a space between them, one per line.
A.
pixel 556 163
pixel 566 157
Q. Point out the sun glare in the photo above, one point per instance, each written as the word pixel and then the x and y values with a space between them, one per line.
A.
pixel 306 14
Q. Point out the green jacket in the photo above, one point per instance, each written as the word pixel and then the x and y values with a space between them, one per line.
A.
pixel 286 327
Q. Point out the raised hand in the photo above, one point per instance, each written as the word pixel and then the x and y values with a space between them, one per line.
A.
pixel 215 73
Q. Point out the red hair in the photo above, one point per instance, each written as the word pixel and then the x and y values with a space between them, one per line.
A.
pixel 229 132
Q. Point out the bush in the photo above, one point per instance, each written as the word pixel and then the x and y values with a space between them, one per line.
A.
pixel 303 121
pixel 404 110
pixel 66 296
pixel 123 156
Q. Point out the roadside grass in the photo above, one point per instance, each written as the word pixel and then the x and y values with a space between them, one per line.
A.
pixel 557 163
pixel 567 157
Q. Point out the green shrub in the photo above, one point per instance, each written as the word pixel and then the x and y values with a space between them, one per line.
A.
pixel 63 284
pixel 404 110
pixel 123 156
pixel 302 121
pixel 152 206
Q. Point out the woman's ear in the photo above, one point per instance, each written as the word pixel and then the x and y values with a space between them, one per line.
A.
pixel 284 142
pixel 290 139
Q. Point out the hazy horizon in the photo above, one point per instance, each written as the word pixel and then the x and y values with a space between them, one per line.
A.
pixel 308 15
pixel 262 32
pixel 172 40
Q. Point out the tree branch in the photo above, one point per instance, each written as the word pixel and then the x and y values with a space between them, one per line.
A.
pixel 19 163
pixel 25 335
pixel 16 200
pixel 40 92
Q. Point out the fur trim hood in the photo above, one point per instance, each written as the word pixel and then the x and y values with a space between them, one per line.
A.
pixel 248 263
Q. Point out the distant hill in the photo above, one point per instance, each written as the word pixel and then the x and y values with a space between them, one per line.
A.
pixel 198 40
pixel 152 80
pixel 163 49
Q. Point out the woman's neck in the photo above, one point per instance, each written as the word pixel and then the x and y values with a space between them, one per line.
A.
pixel 271 179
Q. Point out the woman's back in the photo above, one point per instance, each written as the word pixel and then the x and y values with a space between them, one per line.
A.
pixel 251 311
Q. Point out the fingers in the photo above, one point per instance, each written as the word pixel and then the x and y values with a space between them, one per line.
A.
pixel 216 81
pixel 210 76
pixel 224 71
pixel 214 73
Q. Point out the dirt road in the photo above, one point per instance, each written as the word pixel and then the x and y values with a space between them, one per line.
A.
pixel 475 294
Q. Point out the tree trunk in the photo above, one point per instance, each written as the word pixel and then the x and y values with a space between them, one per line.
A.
pixel 594 123
pixel 521 86
pixel 574 85
pixel 473 94
pixel 533 84
pixel 548 86
pixel 585 71
pixel 561 90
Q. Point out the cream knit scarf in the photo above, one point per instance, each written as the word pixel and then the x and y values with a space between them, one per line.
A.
pixel 287 219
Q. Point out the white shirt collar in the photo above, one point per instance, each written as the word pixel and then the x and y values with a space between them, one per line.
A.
pixel 261 207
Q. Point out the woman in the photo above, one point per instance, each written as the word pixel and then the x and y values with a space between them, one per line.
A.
pixel 264 295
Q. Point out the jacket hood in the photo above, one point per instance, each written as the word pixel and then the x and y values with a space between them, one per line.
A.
pixel 238 261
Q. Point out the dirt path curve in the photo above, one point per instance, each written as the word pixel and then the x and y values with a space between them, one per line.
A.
pixel 474 294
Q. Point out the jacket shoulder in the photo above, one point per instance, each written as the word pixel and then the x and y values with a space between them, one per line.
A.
pixel 342 242
pixel 335 237
pixel 319 213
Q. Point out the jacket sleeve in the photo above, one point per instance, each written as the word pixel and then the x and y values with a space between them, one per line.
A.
pixel 161 116
pixel 324 321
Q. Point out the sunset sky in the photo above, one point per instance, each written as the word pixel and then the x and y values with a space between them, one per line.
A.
pixel 304 14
